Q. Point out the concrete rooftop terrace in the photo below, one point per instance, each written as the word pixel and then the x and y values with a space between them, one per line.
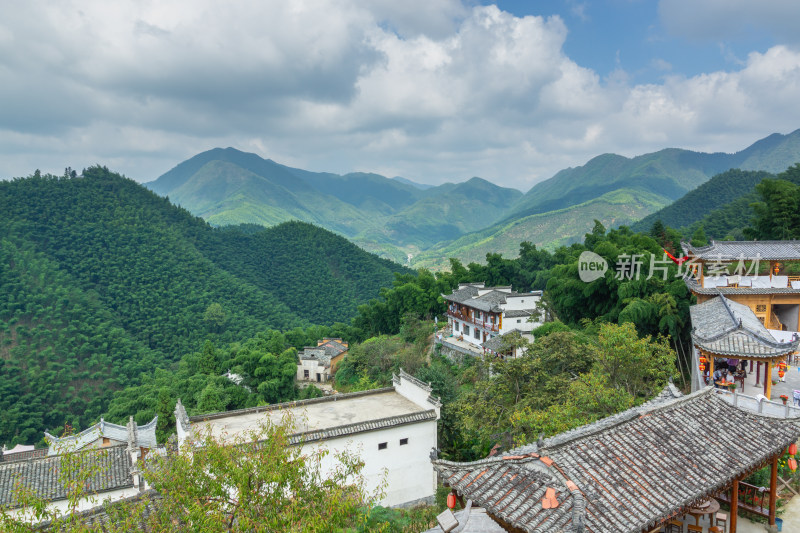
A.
pixel 309 415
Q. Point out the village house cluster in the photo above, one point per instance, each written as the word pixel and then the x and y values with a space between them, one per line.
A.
pixel 655 467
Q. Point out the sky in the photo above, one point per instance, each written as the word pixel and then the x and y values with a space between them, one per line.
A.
pixel 431 90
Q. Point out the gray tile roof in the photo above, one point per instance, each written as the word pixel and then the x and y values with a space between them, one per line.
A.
pixel 732 250
pixel 143 436
pixel 489 301
pixel 728 328
pixel 495 344
pixel 317 353
pixel 518 313
pixel 41 475
pixel 624 474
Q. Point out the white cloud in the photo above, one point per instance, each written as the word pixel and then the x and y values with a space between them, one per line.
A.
pixel 433 91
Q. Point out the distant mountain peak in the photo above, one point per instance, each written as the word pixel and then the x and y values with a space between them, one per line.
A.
pixel 420 186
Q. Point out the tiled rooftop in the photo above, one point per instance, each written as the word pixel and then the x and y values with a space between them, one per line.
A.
pixel 725 327
pixel 41 475
pixel 627 473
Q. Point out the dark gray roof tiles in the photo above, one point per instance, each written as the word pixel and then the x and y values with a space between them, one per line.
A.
pixel 733 250
pixel 361 427
pixel 518 313
pixel 495 344
pixel 627 473
pixel 41 475
pixel 490 301
pixel 728 328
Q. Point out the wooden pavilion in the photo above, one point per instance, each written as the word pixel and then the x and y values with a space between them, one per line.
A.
pixel 629 473
pixel 725 329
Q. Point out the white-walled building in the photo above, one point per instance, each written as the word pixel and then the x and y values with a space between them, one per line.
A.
pixel 116 458
pixel 477 313
pixel 392 429
pixel 317 363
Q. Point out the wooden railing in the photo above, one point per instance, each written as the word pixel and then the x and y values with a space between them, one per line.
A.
pixel 751 498
pixel 464 317
pixel 775 322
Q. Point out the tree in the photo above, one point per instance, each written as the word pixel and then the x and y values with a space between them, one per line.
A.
pixel 639 366
pixel 699 237
pixel 776 215
pixel 215 317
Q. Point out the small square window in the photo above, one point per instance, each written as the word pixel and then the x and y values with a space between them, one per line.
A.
pixel 519 320
pixel 477 333
pixel 403 442
pixel 383 445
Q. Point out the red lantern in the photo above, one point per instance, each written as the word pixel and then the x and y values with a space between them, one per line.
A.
pixel 793 449
pixel 451 500
pixel 702 367
pixel 782 366
pixel 703 360
pixel 792 464
pixel 781 373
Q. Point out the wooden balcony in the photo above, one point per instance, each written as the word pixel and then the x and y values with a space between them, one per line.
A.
pixel 464 317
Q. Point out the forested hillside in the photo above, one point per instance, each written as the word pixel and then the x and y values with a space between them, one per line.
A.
pixel 388 216
pixel 100 279
pixel 715 193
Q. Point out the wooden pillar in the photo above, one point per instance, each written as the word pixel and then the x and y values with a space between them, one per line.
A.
pixel 711 368
pixel 751 368
pixel 773 490
pixel 734 505
pixel 758 373
pixel 702 277
pixel 768 380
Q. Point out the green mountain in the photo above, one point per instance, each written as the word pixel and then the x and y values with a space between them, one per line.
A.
pixel 729 219
pixel 393 217
pixel 548 230
pixel 720 190
pixel 101 279
pixel 668 173
pixel 617 190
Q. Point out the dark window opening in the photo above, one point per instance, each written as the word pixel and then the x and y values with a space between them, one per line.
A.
pixel 403 442
pixel 383 445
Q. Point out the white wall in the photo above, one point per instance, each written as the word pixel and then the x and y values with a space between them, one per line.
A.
pixel 63 506
pixel 409 472
pixel 523 301
pixel 313 367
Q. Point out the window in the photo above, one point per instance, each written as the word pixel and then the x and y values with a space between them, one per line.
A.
pixel 477 315
pixel 477 333
pixel 383 445
pixel 305 374
pixel 455 326
pixel 403 442
pixel 106 441
pixel 466 329
pixel 761 308
pixel 519 321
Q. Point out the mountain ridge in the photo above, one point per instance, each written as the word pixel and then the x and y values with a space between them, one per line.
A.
pixel 397 219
